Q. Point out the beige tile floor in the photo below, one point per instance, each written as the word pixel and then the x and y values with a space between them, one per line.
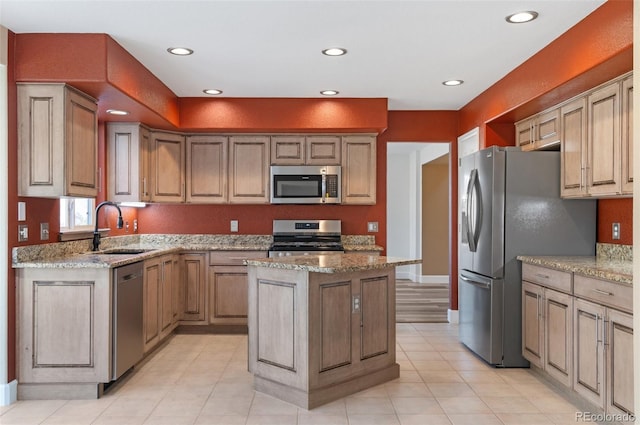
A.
pixel 202 379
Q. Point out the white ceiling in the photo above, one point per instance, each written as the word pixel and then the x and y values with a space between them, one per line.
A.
pixel 400 50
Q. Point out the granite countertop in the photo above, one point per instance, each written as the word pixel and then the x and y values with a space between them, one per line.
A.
pixel 333 263
pixel 617 270
pixel 77 254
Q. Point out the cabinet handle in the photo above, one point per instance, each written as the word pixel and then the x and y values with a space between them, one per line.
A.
pixel 144 186
pixel 597 334
pixel 99 179
pixel 604 333
pixel 543 276
pixel 601 292
pixel 538 309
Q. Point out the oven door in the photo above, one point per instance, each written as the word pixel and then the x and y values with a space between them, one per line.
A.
pixel 305 185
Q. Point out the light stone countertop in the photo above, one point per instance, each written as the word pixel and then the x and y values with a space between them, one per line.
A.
pixel 333 263
pixel 616 270
pixel 77 254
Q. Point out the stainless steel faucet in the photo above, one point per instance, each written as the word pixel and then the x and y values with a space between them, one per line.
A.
pixel 96 233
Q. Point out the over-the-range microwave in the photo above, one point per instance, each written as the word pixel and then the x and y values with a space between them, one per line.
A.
pixel 306 184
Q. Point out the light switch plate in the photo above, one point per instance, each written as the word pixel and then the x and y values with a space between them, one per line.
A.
pixel 372 226
pixel 44 231
pixel 23 233
pixel 615 231
pixel 234 225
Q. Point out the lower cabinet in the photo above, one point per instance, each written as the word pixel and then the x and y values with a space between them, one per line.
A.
pixel 546 330
pixel 158 302
pixel 228 303
pixel 604 356
pixel 583 338
pixel 192 289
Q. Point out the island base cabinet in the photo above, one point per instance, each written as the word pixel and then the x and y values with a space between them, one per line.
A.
pixel 63 333
pixel 588 320
pixel 316 337
pixel 619 353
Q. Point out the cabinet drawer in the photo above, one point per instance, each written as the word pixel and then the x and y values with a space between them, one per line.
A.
pixel 237 258
pixel 550 278
pixel 605 292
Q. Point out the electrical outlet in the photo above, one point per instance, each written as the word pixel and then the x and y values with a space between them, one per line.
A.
pixel 44 231
pixel 372 226
pixel 234 225
pixel 23 232
pixel 135 225
pixel 615 231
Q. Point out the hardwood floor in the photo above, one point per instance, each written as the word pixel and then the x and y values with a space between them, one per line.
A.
pixel 421 302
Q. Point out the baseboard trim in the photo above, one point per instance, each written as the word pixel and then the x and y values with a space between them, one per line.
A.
pixel 452 316
pixel 8 393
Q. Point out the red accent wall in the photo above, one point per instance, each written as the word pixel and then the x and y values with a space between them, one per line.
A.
pixel 615 211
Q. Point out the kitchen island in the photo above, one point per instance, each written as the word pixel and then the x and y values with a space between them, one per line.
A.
pixel 322 326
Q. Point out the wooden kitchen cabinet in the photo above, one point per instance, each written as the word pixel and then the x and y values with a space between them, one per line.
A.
pixel 542 131
pixel 359 170
pixel 547 338
pixel 158 303
pixel 207 169
pixel 57 141
pixel 619 358
pixel 627 136
pixel 167 167
pixel 597 130
pixel 193 285
pixel 249 169
pixel 128 159
pixel 228 286
pixel 306 150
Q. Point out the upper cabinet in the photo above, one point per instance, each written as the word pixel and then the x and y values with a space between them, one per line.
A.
pixel 541 131
pixel 596 143
pixel 128 156
pixel 359 170
pixel 167 167
pixel 249 169
pixel 57 142
pixel 207 169
pixel 309 150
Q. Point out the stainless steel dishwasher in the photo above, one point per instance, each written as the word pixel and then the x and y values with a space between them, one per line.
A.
pixel 128 339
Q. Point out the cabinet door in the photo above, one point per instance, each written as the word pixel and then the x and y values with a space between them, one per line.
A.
pixel 194 281
pixel 128 162
pixel 627 135
pixel 359 170
pixel 524 132
pixel 588 351
pixel 548 129
pixel 532 324
pixel 558 336
pixel 619 353
pixel 323 150
pixel 152 285
pixel 81 147
pixel 603 154
pixel 573 117
pixel 166 312
pixel 374 325
pixel 228 295
pixel 287 150
pixel 249 169
pixel 207 169
pixel 168 167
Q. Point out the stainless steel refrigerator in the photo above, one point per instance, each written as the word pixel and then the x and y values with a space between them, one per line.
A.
pixel 510 205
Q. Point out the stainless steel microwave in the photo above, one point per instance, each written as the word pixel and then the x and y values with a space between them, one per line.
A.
pixel 306 184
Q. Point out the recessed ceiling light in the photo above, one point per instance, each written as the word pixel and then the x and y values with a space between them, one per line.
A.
pixel 329 92
pixel 212 91
pixel 334 51
pixel 180 51
pixel 521 17
pixel 117 112
pixel 452 82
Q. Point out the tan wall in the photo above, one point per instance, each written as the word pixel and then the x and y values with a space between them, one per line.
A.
pixel 435 217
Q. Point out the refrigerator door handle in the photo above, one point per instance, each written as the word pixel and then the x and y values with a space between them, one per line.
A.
pixel 474 210
pixel 483 285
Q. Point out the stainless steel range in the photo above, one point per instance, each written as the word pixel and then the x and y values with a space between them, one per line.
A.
pixel 306 237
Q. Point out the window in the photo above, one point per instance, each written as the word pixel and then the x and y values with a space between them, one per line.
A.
pixel 76 214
